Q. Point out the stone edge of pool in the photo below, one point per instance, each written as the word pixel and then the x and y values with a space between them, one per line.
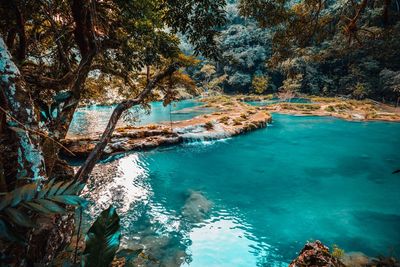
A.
pixel 232 118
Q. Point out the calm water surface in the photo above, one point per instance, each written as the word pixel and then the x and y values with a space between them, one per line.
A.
pixel 255 199
pixel 93 119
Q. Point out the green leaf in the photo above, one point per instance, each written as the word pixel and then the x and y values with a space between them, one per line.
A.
pixel 70 200
pixel 65 186
pixel 23 193
pixel 54 189
pixel 46 188
pixel 36 207
pixel 62 96
pixel 19 217
pixel 74 188
pixel 50 205
pixel 8 233
pixel 102 240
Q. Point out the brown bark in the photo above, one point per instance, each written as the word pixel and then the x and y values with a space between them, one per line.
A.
pixel 21 53
pixel 95 155
pixel 20 108
pixel 385 16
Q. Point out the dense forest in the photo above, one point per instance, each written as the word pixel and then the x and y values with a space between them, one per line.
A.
pixel 314 47
pixel 57 54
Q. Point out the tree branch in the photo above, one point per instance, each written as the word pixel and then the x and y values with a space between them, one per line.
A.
pixel 95 155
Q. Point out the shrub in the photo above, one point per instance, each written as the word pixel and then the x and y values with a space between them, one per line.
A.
pixel 224 120
pixel 330 109
pixel 237 122
pixel 209 126
pixel 260 84
pixel 337 252
pixel 359 91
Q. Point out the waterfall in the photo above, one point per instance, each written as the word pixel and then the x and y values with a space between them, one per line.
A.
pixel 198 133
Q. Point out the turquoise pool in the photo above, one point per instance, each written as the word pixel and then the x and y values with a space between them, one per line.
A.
pixel 255 199
pixel 93 119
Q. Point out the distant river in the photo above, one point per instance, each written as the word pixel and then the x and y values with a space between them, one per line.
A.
pixel 255 199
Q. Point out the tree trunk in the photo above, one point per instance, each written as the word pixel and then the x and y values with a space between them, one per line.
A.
pixel 21 118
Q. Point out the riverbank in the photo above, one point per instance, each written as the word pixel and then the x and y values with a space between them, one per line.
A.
pixel 348 109
pixel 232 117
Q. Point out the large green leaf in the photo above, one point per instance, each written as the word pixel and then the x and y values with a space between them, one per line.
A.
pixel 74 189
pixel 23 193
pixel 36 207
pixel 102 240
pixel 51 206
pixel 62 96
pixel 53 190
pixel 70 200
pixel 46 188
pixel 19 217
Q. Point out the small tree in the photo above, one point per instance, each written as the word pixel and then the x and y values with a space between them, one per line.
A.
pixel 290 87
pixel 360 91
pixel 208 71
pixel 260 84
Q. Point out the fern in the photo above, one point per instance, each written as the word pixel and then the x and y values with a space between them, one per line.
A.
pixel 18 206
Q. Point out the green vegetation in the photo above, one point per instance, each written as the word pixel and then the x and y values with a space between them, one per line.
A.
pixel 102 240
pixel 337 252
pixel 58 54
pixel 260 84
pixel 55 55
pixel 209 126
pixel 296 106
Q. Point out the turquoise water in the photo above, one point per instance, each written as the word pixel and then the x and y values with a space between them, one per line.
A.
pixel 93 119
pixel 255 199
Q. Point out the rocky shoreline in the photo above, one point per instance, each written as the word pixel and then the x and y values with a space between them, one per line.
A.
pixel 232 118
pixel 347 109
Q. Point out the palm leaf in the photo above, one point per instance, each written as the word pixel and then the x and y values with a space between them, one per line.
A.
pixel 19 217
pixel 102 240
pixel 49 200
pixel 69 200
pixel 51 206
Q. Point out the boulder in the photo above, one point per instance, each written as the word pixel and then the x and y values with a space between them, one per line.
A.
pixel 315 254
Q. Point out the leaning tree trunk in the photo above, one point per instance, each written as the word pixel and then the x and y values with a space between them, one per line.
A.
pixel 96 153
pixel 22 119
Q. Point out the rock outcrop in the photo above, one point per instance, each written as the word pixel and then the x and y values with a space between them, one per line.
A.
pixel 315 254
pixel 232 118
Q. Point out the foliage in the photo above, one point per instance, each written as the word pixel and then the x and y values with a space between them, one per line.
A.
pixel 102 240
pixel 19 207
pixel 334 45
pixel 209 126
pixel 337 252
pixel 260 84
pixel 359 91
